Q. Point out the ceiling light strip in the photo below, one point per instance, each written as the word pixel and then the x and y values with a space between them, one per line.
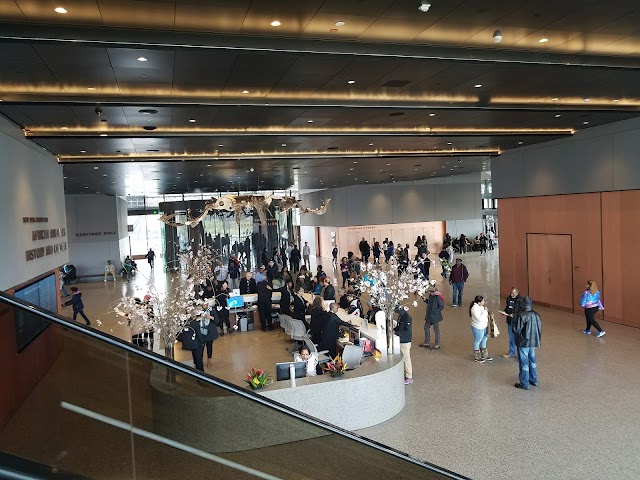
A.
pixel 278 155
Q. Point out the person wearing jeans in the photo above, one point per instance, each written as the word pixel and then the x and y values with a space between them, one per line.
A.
pixel 511 311
pixel 403 330
pixel 528 328
pixel 591 303
pixel 479 323
pixel 457 279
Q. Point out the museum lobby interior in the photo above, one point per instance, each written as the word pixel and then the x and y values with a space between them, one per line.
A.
pixel 384 118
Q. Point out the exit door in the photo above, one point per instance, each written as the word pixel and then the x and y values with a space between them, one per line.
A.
pixel 550 269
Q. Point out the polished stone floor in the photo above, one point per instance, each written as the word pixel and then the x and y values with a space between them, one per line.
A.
pixel 582 422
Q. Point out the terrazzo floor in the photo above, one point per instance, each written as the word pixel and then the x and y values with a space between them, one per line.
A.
pixel 582 422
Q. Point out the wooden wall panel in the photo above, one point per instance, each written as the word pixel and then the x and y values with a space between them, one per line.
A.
pixel 577 215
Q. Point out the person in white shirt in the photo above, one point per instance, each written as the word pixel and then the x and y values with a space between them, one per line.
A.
pixel 306 253
pixel 221 271
pixel 303 355
pixel 109 269
pixel 479 322
pixel 450 252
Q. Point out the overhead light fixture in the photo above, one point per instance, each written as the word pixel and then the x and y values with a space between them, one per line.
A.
pixel 449 143
pixel 520 143
pixel 587 99
pixel 192 120
pixel 276 23
pixel 351 82
pixel 309 121
pixel 558 115
pixel 95 168
pixel 64 177
pixel 91 88
pixel 497 36
pixel 104 174
pixel 543 40
pixel 424 7
pixel 65 128
pixel 432 114
pixel 60 10
pixel 220 146
pixel 555 99
pixel 340 23
pixel 616 99
pixel 478 85
pixel 103 135
pixel 83 151
pixel 245 91
pixel 142 59
pixel 284 144
pixel 585 123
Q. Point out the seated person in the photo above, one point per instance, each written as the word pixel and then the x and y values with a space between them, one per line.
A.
pixel 248 284
pixel 300 307
pixel 286 298
pixel 303 355
pixel 328 290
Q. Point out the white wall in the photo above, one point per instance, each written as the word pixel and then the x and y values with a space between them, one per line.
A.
pixel 100 216
pixel 31 185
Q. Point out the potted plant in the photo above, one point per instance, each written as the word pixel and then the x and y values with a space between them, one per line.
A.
pixel 336 367
pixel 257 378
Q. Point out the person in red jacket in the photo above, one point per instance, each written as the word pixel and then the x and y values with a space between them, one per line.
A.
pixel 457 279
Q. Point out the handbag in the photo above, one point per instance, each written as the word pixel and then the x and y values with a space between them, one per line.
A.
pixel 492 328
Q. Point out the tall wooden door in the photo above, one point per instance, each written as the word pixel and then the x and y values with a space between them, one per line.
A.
pixel 550 269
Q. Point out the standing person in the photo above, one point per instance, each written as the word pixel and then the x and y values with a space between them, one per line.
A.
pixel 433 316
pixel 367 252
pixel 222 296
pixel 376 252
pixel 479 323
pixel 264 304
pixel 109 269
pixel 511 311
pixel 444 257
pixel 234 274
pixel 248 284
pixel 331 330
pixel 403 330
pixel 221 272
pixel 208 330
pixel 458 277
pixel 151 256
pixel 344 270
pixel 300 307
pixel 491 239
pixel 318 319
pixel 424 264
pixel 78 306
pixel 528 329
pixel 193 339
pixel 334 254
pixel 294 256
pixel 389 252
pixel 306 253
pixel 284 256
pixel 483 243
pixel 63 290
pixel 286 298
pixel 288 251
pixel 591 303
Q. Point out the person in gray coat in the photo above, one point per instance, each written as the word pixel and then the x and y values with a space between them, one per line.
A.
pixel 435 305
pixel 528 330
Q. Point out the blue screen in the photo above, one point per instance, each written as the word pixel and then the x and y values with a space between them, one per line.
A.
pixel 235 302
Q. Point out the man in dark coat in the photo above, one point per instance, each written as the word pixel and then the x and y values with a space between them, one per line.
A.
pixel 528 329
pixel 457 279
pixel 424 264
pixel 328 290
pixel 403 330
pixel 300 307
pixel 318 320
pixel 248 284
pixel 512 310
pixel 78 305
pixel 433 316
pixel 331 330
pixel 264 304
pixel 294 259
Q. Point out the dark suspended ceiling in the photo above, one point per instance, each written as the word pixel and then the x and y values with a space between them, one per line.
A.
pixel 272 107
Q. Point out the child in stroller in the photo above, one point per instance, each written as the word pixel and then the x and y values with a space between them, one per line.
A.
pixel 129 268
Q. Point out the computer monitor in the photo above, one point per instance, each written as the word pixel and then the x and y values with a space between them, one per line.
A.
pixel 235 292
pixel 354 336
pixel 282 370
pixel 235 302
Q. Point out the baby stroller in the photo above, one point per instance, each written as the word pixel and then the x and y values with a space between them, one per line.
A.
pixel 128 270
pixel 69 274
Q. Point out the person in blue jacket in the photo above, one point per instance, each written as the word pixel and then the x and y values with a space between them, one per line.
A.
pixel 78 306
pixel 591 303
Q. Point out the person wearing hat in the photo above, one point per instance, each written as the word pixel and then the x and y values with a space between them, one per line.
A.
pixel 433 316
pixel 527 329
pixel 403 330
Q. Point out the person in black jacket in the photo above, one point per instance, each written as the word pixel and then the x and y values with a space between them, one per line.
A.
pixel 300 307
pixel 512 310
pixel 328 291
pixel 286 298
pixel 221 301
pixel 294 259
pixel 248 284
pixel 331 330
pixel 78 306
pixel 264 303
pixel 528 330
pixel 433 316
pixel 318 319
pixel 424 264
pixel 403 330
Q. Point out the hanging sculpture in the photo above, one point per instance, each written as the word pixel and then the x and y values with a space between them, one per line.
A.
pixel 238 203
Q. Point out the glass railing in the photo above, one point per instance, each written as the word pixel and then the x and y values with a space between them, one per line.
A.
pixel 102 408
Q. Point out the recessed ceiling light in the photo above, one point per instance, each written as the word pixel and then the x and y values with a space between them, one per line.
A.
pixel 208 165
pixel 558 115
pixel 371 144
pixel 103 135
pixel 520 143
pixel 95 168
pixel 351 168
pixel 220 146
pixel 340 23
pixel 60 10
pixel 245 91
pixel 65 128
pixel 284 144
pixel 86 187
pixel 424 7
pixel 64 177
pixel 276 23
pixel 192 120
pixel 432 114
pixel 587 99
pixel 616 99
pixel 585 123
pixel 179 173
pixel 449 143
pixel 91 88
pixel 555 99
pixel 309 121
pixel 543 40
pixel 142 59
pixel 104 174
pixel 355 162
pixel 388 164
pixel 477 85
pixel 351 82
pixel 83 151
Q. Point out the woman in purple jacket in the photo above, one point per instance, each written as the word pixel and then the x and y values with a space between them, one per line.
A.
pixel 591 303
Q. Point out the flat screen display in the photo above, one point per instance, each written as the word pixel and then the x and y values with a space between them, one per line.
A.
pixel 42 293
pixel 235 302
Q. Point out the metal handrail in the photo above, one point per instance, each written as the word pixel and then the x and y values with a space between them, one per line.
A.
pixel 216 382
